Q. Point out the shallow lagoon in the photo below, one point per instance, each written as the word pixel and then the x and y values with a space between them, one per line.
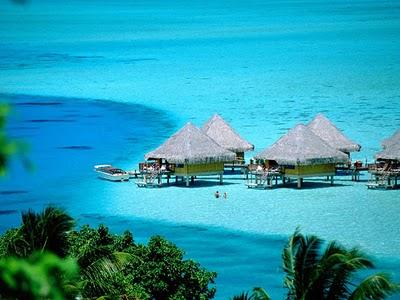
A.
pixel 241 238
pixel 263 65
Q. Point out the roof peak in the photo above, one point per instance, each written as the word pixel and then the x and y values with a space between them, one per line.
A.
pixel 191 145
pixel 300 145
pixel 326 130
pixel 223 133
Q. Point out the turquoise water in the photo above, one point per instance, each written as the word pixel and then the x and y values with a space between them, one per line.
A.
pixel 263 65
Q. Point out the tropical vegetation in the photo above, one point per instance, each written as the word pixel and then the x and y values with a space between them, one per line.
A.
pixel 45 258
pixel 315 269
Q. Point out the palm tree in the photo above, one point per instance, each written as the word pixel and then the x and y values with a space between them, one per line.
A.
pixel 315 271
pixel 258 294
pixel 45 231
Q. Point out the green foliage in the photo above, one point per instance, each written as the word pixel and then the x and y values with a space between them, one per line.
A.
pixel 40 276
pixel 45 231
pixel 163 272
pixel 257 294
pixel 242 296
pixel 317 272
pixel 9 147
pixel 113 265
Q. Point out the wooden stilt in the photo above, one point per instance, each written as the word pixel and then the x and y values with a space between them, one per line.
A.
pixel 187 180
pixel 284 180
pixel 221 179
pixel 299 182
pixel 168 177
pixel 332 180
pixel 192 179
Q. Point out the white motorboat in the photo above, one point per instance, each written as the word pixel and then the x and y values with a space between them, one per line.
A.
pixel 109 172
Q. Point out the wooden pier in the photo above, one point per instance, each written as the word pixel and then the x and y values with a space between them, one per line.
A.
pixel 384 179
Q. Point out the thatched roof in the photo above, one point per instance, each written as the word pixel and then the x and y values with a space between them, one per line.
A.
pixel 327 131
pixel 221 132
pixel 394 139
pixel 190 145
pixel 300 146
pixel 391 152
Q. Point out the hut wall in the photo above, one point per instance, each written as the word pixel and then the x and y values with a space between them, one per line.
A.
pixel 240 156
pixel 311 170
pixel 199 169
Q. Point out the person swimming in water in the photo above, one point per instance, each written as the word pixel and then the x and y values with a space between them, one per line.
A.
pixel 216 194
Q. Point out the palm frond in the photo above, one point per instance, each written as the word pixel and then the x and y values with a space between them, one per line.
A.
pixel 242 296
pixel 307 259
pixel 101 274
pixel 289 260
pixel 260 294
pixel 375 287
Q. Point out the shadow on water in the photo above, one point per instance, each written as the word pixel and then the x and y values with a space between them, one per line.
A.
pixel 309 185
pixel 13 192
pixel 8 212
pixel 230 253
pixel 242 260
pixel 198 183
pixel 75 148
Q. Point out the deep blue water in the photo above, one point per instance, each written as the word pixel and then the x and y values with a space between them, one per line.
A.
pixel 65 139
pixel 68 136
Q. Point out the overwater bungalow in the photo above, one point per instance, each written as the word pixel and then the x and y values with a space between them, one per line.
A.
pixel 386 170
pixel 189 153
pixel 326 130
pixel 221 132
pixel 394 139
pixel 301 154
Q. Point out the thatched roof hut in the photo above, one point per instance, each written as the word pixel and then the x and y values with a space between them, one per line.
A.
pixel 394 139
pixel 391 152
pixel 221 132
pixel 327 131
pixel 300 146
pixel 191 146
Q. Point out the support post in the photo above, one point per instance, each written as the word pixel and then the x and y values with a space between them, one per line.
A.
pixel 187 180
pixel 284 180
pixel 176 179
pixel 221 179
pixel 168 177
pixel 192 179
pixel 299 182
pixel 332 180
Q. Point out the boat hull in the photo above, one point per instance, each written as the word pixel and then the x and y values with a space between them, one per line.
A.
pixel 110 177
